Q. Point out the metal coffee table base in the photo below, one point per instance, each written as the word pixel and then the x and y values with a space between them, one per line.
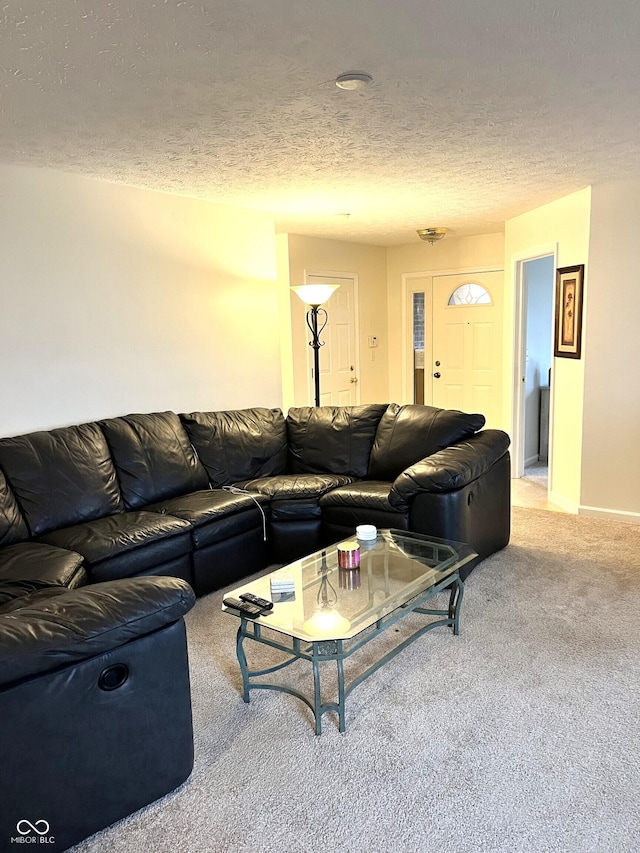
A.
pixel 323 651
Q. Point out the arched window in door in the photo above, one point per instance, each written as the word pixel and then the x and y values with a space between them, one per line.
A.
pixel 470 294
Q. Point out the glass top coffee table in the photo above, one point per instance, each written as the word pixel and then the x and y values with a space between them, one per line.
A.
pixel 332 611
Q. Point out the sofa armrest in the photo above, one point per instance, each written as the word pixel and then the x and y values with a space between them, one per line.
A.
pixel 56 627
pixel 450 469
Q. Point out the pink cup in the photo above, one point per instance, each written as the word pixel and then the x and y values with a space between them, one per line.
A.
pixel 348 555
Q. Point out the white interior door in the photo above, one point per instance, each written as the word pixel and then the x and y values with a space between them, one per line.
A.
pixel 338 356
pixel 467 344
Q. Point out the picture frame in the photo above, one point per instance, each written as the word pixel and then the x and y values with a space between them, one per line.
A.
pixel 568 326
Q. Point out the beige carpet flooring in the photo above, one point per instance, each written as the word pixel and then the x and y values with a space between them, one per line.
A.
pixel 521 734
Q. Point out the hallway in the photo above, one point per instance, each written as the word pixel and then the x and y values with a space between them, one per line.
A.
pixel 531 490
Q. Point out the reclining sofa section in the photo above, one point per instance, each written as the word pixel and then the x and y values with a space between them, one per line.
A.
pixel 95 703
pixel 211 497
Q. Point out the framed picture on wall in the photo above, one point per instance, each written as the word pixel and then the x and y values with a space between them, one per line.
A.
pixel 568 334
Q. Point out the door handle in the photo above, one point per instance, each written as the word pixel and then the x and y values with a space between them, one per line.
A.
pixel 353 379
pixel 436 376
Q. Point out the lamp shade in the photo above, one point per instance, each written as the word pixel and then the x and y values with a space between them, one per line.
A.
pixel 314 294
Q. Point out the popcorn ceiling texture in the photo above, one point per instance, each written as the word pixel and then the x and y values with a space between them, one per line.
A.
pixel 479 110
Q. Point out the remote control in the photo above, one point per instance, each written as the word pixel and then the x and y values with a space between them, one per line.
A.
pixel 262 603
pixel 243 607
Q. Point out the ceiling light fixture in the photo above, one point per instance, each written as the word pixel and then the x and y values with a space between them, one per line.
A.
pixel 353 80
pixel 431 235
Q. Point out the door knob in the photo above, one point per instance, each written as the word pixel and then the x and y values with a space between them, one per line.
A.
pixel 354 379
pixel 436 376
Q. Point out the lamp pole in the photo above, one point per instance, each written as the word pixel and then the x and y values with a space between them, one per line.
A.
pixel 316 343
pixel 314 295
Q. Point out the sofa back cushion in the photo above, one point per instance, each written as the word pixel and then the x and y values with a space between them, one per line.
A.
pixel 238 445
pixel 12 525
pixel 332 439
pixel 154 458
pixel 407 434
pixel 61 477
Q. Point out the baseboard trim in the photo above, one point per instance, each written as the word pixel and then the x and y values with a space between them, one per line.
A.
pixel 531 460
pixel 612 514
pixel 564 503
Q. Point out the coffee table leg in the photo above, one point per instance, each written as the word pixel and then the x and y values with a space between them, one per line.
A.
pixel 242 660
pixel 341 721
pixel 455 599
pixel 317 706
pixel 321 653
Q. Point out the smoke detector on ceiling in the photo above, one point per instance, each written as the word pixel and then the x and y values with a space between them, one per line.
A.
pixel 431 235
pixel 354 80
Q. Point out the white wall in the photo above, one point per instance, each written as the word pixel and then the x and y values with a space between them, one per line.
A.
pixel 611 432
pixel 115 299
pixel 286 337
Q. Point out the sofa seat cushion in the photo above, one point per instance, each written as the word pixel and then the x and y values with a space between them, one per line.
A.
pixel 295 486
pixel 365 502
pixel 30 566
pixel 207 505
pixel 125 544
pixel 216 514
pixel 407 434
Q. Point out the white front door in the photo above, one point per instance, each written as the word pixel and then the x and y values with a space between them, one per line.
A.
pixel 338 367
pixel 465 371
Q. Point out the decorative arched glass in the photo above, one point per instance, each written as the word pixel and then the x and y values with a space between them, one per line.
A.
pixel 470 294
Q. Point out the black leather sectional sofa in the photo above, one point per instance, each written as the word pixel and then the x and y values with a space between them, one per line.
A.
pixel 107 527
pixel 211 497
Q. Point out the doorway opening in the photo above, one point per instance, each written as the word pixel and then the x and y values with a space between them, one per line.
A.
pixel 533 370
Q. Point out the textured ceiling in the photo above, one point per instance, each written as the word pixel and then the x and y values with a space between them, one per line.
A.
pixel 479 109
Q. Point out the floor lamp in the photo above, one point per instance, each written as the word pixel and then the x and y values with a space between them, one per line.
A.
pixel 314 295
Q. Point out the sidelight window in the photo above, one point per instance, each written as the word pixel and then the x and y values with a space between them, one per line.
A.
pixel 418 347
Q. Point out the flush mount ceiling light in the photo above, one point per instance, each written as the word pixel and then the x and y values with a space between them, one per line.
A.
pixel 353 80
pixel 431 235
